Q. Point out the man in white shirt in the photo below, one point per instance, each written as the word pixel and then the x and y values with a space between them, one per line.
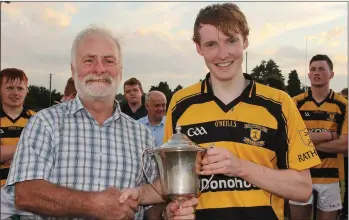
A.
pixel 155 103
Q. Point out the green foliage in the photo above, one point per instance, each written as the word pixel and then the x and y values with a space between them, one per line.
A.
pixel 39 97
pixel 165 88
pixel 267 69
pixel 293 84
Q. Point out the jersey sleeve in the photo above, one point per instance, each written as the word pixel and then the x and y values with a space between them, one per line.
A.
pixel 295 100
pixel 301 153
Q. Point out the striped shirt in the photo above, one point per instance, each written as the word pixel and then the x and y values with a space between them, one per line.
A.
pixel 10 131
pixel 262 126
pixel 66 146
pixel 329 115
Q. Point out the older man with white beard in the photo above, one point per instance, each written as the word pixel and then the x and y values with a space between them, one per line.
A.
pixel 74 158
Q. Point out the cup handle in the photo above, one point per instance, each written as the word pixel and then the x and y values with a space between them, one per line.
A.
pixel 207 184
pixel 147 151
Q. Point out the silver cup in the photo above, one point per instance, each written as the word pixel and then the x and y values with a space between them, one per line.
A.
pixel 179 162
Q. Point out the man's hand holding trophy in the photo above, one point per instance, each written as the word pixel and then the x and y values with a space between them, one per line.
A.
pixel 173 210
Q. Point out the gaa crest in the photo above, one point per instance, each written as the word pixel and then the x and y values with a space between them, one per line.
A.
pixel 255 134
pixel 331 116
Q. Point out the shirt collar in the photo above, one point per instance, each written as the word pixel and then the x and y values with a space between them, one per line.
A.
pixel 249 91
pixel 76 105
pixel 163 120
pixel 329 96
pixel 25 112
pixel 146 120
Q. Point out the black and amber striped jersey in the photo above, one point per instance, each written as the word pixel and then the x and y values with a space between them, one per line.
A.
pixel 10 131
pixel 262 125
pixel 329 115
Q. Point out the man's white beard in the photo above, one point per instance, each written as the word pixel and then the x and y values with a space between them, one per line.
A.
pixel 96 90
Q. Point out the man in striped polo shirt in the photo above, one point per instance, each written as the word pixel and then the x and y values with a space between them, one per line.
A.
pixel 74 158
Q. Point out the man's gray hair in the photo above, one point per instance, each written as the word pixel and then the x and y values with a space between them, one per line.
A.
pixel 147 97
pixel 95 30
pixel 149 94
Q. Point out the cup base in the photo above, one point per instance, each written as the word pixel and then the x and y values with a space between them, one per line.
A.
pixel 182 197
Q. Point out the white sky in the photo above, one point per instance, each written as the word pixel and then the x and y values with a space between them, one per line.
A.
pixel 156 38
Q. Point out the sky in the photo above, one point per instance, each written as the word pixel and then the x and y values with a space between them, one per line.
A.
pixel 156 38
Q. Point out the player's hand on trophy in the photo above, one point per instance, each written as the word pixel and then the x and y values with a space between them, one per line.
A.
pixel 186 211
pixel 108 205
pixel 220 161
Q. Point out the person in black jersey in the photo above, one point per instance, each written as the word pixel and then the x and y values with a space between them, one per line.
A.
pixel 134 106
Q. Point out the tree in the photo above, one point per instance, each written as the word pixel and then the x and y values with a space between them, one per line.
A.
pixel 273 70
pixel 163 87
pixel 275 82
pixel 293 84
pixel 259 72
pixel 267 69
pixel 39 97
pixel 179 87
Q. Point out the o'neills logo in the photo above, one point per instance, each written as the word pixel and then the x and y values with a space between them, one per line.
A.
pixel 225 123
pixel 14 128
pixel 226 184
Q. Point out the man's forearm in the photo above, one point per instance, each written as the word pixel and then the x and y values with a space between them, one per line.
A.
pixel 44 198
pixel 149 196
pixel 335 146
pixel 7 152
pixel 320 137
pixel 289 184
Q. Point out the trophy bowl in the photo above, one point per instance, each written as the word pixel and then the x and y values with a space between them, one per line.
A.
pixel 179 164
